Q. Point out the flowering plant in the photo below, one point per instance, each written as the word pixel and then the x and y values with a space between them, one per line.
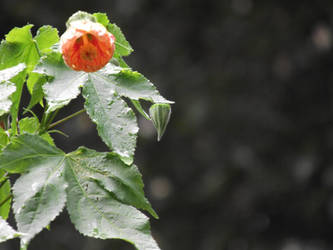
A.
pixel 102 191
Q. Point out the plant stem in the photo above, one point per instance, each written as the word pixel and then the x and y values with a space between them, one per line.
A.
pixel 5 200
pixel 66 118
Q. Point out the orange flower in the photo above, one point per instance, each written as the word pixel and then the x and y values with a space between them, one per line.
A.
pixel 87 46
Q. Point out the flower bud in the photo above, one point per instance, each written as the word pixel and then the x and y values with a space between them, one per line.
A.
pixel 87 46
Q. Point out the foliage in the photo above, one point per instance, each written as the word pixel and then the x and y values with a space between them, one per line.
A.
pixel 102 191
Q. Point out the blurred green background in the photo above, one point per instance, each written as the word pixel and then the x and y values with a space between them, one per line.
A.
pixel 247 160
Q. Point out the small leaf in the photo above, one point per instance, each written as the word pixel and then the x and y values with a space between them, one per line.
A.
pixel 6 231
pixel 140 109
pixel 95 212
pixel 116 122
pixel 46 37
pixel 123 47
pixel 4 139
pixel 30 125
pixel 5 195
pixel 35 84
pixel 80 15
pixel 160 116
pixel 102 18
pixel 64 84
pixel 6 90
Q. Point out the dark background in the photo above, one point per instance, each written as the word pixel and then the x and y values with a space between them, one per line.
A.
pixel 246 162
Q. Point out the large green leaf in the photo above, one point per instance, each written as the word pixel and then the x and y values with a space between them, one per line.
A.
pixel 64 83
pixel 96 213
pixel 26 151
pixel 6 231
pixel 39 194
pixel 116 122
pixel 5 195
pixel 123 181
pixel 101 194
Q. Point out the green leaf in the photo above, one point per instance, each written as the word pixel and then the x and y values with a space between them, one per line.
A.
pixel 6 231
pixel 140 109
pixel 30 125
pixel 80 15
pixel 95 212
pixel 102 18
pixel 116 122
pixel 35 84
pixel 131 84
pixel 123 48
pixel 39 194
pixel 101 191
pixel 160 116
pixel 8 73
pixel 6 90
pixel 25 151
pixel 4 139
pixel 123 181
pixel 46 37
pixel 19 47
pixel 5 196
pixel 64 85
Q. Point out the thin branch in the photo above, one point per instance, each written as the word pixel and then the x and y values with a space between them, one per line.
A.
pixel 66 118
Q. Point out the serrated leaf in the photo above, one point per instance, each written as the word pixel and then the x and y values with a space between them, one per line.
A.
pixel 131 84
pixel 9 73
pixel 30 125
pixel 6 231
pixel 16 158
pixel 19 47
pixel 46 37
pixel 4 139
pixel 6 90
pixel 5 195
pixel 160 116
pixel 102 18
pixel 39 194
pixel 116 122
pixel 95 212
pixel 100 187
pixel 35 84
pixel 123 181
pixel 123 47
pixel 64 84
